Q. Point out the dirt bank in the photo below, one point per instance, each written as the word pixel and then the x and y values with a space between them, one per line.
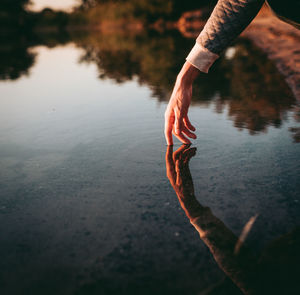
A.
pixel 279 40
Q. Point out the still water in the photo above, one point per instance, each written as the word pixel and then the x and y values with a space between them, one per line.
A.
pixel 85 204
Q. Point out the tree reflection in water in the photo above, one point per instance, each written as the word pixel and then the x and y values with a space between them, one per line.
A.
pixel 244 82
pixel 15 58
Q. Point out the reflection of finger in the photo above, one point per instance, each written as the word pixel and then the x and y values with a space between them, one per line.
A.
pixel 189 153
pixel 186 156
pixel 188 133
pixel 177 153
pixel 188 124
pixel 170 167
pixel 184 175
pixel 169 154
pixel 178 173
pixel 180 155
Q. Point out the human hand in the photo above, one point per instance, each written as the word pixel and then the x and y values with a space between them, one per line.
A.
pixel 176 115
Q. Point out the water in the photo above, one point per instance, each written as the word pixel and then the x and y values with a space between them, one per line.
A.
pixel 86 207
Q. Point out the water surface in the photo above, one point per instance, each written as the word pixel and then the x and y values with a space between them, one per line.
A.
pixel 86 207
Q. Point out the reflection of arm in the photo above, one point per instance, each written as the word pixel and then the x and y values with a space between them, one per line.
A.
pixel 221 242
pixel 228 19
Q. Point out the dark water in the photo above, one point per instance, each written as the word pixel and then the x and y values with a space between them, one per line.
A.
pixel 85 204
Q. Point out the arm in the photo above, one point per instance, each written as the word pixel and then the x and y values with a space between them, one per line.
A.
pixel 228 19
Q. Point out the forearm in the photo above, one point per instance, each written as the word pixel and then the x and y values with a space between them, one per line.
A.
pixel 187 74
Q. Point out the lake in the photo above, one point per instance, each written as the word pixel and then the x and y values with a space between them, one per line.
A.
pixel 85 204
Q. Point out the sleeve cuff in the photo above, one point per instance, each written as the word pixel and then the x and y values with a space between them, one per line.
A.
pixel 201 58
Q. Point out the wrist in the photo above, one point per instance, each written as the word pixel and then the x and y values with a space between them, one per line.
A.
pixel 187 74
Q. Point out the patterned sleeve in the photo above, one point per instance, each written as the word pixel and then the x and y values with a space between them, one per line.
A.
pixel 228 19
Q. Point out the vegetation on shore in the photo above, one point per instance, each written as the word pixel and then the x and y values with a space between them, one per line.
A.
pixel 144 11
pixel 15 15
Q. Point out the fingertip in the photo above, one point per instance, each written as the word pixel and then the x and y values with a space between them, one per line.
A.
pixel 169 142
pixel 189 134
pixel 188 124
pixel 185 140
pixel 168 137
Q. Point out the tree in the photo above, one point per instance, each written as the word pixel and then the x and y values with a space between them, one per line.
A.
pixel 12 12
pixel 13 6
pixel 151 9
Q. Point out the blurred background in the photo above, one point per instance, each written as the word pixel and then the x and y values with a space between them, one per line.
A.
pixel 149 40
pixel 85 204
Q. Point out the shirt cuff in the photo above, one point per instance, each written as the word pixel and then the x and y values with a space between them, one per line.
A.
pixel 201 58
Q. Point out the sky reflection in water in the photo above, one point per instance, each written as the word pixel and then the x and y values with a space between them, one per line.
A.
pixel 85 203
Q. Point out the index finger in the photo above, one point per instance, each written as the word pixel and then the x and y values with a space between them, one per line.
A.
pixel 169 121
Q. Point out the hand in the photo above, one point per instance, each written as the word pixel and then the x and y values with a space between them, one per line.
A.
pixel 176 115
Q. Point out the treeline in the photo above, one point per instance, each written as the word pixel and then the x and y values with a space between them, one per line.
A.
pixel 146 10
pixel 13 13
pixel 15 16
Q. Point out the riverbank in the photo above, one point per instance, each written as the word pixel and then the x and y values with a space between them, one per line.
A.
pixel 279 40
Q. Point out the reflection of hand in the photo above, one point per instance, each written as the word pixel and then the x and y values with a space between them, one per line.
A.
pixel 178 172
pixel 176 115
